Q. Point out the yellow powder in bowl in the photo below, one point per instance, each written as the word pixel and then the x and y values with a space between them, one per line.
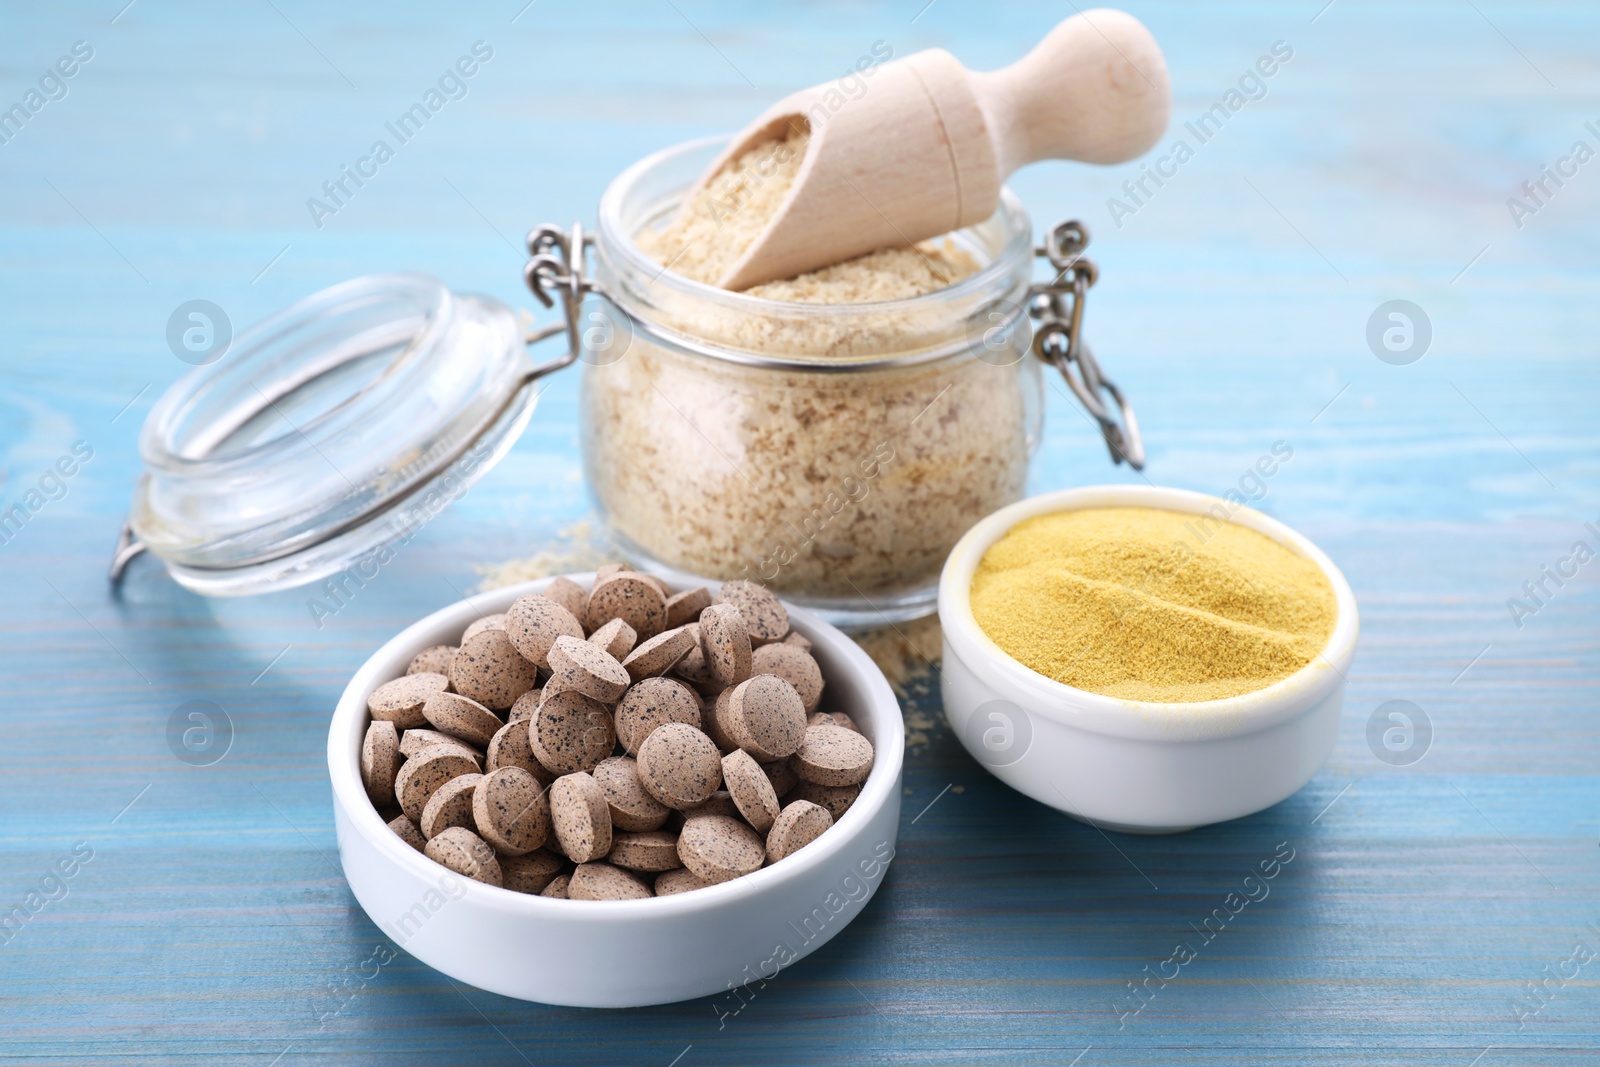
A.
pixel 1145 604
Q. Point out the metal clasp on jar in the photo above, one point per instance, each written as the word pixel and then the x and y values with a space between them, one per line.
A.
pixel 1057 305
pixel 558 261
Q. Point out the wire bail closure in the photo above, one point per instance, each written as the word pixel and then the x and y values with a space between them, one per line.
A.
pixel 558 263
pixel 1057 305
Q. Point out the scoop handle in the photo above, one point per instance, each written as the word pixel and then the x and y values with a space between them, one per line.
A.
pixel 1094 89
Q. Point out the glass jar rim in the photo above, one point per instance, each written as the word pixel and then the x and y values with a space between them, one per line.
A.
pixel 160 445
pixel 616 240
pixel 399 393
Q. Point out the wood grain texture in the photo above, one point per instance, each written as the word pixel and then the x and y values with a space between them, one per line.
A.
pixel 212 924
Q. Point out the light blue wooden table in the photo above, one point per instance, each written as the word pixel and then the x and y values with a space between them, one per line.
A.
pixel 1431 910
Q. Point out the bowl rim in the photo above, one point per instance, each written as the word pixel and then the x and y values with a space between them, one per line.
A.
pixel 1229 716
pixel 347 727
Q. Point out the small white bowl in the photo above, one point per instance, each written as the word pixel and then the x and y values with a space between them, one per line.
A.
pixel 617 954
pixel 1131 765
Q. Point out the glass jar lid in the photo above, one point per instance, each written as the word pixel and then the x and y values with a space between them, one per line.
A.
pixel 336 426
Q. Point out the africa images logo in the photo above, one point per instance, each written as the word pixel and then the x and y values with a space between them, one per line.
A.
pixel 452 85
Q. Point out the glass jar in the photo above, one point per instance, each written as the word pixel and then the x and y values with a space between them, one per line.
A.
pixel 833 453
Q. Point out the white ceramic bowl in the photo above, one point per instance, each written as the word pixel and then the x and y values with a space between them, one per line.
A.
pixel 1132 765
pixel 614 954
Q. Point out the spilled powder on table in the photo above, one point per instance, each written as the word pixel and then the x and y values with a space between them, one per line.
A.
pixel 906 652
pixel 578 547
pixel 908 655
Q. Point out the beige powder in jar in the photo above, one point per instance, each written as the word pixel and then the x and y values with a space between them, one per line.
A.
pixel 710 232
pixel 825 485
pixel 820 485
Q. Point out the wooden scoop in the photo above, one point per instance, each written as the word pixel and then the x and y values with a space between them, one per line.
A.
pixel 925 149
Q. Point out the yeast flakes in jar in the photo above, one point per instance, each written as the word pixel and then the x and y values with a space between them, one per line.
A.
pixel 830 447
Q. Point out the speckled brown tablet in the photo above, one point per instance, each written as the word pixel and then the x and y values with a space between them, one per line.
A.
pixel 415 740
pixel 653 580
pixel 435 660
pixel 766 717
pixel 765 617
pixel 679 765
pixel 450 805
pixel 511 811
pixel 795 666
pixel 719 849
pixel 836 798
pixel 781 775
pixel 681 880
pixel 401 700
pixel 601 881
pixel 685 607
pixel 530 873
pixel 581 817
pixel 651 703
pixel 606 570
pixel 797 825
pixel 526 705
pixel 658 655
pixel 633 809
pixel 569 594
pixel 422 774
pixel 653 850
pixel 832 755
pixel 693 667
pixel 716 722
pixel 616 637
pixel 489 670
pixel 834 718
pixel 534 622
pixel 628 597
pixel 571 733
pixel 510 747
pixel 380 762
pixel 461 718
pixel 798 639
pixel 588 669
pixel 488 622
pixel 750 789
pixel 557 887
pixel 726 644
pixel 465 852
pixel 407 831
